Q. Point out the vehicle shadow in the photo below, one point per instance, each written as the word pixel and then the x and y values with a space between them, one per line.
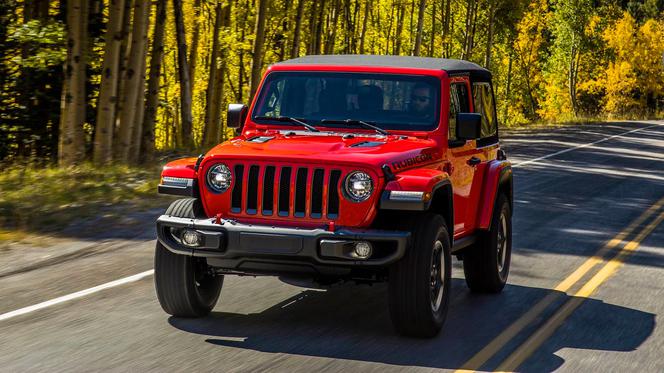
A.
pixel 576 202
pixel 352 323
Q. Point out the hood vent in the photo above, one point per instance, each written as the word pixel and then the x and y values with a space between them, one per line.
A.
pixel 260 139
pixel 367 144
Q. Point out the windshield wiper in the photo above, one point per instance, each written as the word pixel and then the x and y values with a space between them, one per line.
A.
pixel 309 127
pixel 351 122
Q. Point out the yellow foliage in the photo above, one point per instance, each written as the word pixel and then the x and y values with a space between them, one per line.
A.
pixel 556 104
pixel 619 84
pixel 591 87
pixel 649 56
pixel 528 50
pixel 621 37
pixel 637 73
pixel 593 25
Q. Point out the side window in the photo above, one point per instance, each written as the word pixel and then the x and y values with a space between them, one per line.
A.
pixel 458 104
pixel 272 107
pixel 483 100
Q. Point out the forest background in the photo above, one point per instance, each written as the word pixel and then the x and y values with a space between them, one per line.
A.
pixel 114 81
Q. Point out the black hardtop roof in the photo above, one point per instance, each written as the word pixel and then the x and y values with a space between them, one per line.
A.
pixel 449 65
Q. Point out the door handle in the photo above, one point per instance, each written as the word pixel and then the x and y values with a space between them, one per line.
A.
pixel 474 161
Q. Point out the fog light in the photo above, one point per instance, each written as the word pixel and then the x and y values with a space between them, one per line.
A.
pixel 362 250
pixel 191 238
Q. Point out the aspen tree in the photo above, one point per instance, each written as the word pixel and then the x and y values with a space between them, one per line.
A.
pixel 108 91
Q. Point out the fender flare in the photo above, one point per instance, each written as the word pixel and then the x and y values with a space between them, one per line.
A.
pixel 437 195
pixel 442 202
pixel 179 178
pixel 498 177
pixel 425 181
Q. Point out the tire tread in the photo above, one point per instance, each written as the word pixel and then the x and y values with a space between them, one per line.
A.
pixel 479 260
pixel 410 307
pixel 173 271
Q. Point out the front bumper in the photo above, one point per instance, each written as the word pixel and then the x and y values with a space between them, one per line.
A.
pixel 246 248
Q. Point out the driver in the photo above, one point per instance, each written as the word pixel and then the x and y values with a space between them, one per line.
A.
pixel 420 99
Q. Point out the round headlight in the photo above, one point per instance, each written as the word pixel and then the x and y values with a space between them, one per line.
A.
pixel 219 178
pixel 358 186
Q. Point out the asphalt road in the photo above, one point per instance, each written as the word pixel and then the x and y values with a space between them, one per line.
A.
pixel 576 188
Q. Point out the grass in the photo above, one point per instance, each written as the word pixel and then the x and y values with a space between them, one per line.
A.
pixel 578 121
pixel 555 124
pixel 46 199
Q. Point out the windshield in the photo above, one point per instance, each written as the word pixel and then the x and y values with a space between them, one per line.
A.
pixel 388 101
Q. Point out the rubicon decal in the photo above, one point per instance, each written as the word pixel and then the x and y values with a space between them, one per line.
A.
pixel 412 161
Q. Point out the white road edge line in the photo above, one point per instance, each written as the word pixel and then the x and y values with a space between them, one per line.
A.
pixel 582 146
pixel 139 276
pixel 78 294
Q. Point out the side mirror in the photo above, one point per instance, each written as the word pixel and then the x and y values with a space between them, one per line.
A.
pixel 237 114
pixel 468 126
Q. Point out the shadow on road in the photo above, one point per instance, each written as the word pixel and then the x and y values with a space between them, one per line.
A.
pixel 586 196
pixel 352 323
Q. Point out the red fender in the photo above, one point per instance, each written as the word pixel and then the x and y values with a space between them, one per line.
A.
pixel 419 179
pixel 183 168
pixel 179 178
pixel 427 180
pixel 497 172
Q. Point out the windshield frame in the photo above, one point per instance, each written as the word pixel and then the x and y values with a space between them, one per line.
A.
pixel 433 80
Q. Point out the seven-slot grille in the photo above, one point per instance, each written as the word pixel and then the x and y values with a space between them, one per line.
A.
pixel 285 191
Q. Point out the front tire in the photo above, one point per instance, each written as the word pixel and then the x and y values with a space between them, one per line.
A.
pixel 487 263
pixel 419 285
pixel 186 286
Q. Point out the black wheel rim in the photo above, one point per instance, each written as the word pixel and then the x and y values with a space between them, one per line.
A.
pixel 501 243
pixel 205 280
pixel 437 279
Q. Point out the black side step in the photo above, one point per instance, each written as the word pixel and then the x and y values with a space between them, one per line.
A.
pixel 463 242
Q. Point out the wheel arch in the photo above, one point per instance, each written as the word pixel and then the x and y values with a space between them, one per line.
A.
pixel 442 203
pixel 186 208
pixel 499 180
pixel 436 195
pixel 506 186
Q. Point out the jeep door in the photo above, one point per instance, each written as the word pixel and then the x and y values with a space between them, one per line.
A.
pixel 486 147
pixel 463 155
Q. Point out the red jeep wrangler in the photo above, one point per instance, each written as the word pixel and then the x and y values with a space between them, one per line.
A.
pixel 356 168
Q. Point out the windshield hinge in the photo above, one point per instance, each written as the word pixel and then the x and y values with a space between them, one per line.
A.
pixel 389 175
pixel 198 162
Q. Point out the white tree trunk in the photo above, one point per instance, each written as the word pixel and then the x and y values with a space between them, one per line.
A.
pixel 152 101
pixel 420 25
pixel 71 146
pixel 108 92
pixel 133 78
pixel 186 127
pixel 257 50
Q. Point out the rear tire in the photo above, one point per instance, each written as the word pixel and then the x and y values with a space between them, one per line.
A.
pixel 186 286
pixel 419 285
pixel 486 264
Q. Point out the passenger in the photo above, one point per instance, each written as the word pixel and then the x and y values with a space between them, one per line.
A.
pixel 420 101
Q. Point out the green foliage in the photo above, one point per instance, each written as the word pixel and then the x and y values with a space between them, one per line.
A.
pixel 47 41
pixel 567 24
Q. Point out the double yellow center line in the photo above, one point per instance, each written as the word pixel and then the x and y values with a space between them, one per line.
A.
pixel 517 357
